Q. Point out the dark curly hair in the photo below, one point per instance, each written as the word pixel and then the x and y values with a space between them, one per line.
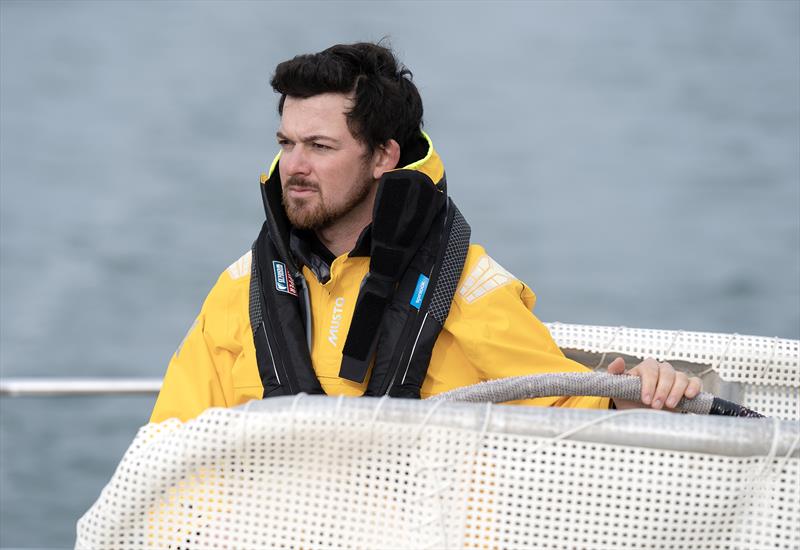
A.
pixel 387 103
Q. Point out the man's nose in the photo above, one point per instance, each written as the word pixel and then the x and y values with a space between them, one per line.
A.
pixel 295 161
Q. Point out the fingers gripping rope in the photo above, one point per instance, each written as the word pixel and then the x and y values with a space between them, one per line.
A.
pixel 576 383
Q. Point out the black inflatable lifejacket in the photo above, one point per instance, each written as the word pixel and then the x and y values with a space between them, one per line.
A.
pixel 419 243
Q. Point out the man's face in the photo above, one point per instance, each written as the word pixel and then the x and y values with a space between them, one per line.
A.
pixel 325 172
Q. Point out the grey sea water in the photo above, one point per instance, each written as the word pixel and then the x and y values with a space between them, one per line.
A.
pixel 637 163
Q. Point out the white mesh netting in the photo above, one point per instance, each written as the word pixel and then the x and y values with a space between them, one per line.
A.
pixel 766 370
pixel 322 472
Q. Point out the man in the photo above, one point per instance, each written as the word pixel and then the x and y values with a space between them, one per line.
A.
pixel 362 280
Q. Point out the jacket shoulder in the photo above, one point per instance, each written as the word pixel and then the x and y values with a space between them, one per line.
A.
pixel 232 288
pixel 236 276
pixel 483 277
pixel 241 267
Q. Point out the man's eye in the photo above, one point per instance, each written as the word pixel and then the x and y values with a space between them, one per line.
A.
pixel 283 142
pixel 319 146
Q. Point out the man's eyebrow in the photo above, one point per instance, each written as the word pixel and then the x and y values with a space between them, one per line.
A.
pixel 319 138
pixel 309 139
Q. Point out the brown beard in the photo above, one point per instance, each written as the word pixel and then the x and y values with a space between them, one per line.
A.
pixel 315 212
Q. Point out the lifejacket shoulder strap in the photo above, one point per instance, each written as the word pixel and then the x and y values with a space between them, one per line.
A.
pixel 406 204
pixel 276 320
pixel 404 354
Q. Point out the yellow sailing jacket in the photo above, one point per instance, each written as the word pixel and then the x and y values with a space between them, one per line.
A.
pixel 489 333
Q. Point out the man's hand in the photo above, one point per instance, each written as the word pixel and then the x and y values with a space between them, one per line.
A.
pixel 662 385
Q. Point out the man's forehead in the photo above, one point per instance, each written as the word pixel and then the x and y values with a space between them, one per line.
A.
pixel 323 114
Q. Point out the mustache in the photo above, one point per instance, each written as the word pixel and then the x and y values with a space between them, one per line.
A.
pixel 300 181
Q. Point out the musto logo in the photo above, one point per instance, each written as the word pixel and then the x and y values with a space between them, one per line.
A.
pixel 336 321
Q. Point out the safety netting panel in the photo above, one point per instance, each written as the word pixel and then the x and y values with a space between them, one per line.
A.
pixel 319 472
pixel 767 370
pixel 772 400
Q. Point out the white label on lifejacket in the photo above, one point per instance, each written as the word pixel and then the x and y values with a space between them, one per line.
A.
pixel 487 276
pixel 283 281
pixel 419 291
pixel 336 321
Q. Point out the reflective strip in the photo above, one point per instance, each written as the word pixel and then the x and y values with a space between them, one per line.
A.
pixel 271 357
pixel 411 355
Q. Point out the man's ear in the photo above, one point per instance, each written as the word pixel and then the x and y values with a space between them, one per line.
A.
pixel 386 158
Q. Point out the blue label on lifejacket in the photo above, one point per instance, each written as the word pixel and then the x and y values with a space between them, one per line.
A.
pixel 283 281
pixel 419 292
pixel 280 276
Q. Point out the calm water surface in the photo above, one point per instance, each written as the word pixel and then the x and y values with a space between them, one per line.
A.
pixel 636 163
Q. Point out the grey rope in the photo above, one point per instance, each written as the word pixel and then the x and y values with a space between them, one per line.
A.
pixel 598 384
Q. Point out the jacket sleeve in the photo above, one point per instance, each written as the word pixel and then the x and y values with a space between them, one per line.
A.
pixel 500 334
pixel 196 376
